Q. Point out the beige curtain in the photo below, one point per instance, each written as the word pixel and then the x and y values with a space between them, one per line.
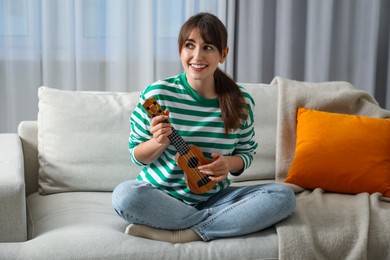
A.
pixel 320 40
pixel 124 45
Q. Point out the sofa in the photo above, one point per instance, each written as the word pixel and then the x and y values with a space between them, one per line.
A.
pixel 57 175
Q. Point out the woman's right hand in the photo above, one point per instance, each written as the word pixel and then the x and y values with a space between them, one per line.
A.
pixel 150 150
pixel 160 128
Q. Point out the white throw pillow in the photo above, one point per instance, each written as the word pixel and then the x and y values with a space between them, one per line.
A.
pixel 82 140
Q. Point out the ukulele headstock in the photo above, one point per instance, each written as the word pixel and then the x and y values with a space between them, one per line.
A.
pixel 152 107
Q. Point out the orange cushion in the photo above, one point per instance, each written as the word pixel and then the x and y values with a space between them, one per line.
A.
pixel 341 153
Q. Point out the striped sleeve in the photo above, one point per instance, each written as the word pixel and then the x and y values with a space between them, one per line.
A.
pixel 139 125
pixel 247 144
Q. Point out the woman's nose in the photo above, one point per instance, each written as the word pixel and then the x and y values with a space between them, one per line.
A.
pixel 198 54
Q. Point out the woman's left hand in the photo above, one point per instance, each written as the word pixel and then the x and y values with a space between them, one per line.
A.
pixel 217 170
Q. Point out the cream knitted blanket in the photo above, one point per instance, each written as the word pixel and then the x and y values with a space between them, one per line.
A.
pixel 328 225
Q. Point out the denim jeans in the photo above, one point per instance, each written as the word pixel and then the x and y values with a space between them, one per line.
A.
pixel 234 211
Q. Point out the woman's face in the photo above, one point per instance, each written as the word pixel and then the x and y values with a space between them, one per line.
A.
pixel 200 59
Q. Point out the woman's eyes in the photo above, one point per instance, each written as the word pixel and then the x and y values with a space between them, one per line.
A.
pixel 190 46
pixel 207 47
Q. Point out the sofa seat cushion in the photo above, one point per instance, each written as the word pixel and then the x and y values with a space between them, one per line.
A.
pixel 83 225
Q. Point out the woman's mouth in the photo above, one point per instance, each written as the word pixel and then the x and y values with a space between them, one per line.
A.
pixel 198 66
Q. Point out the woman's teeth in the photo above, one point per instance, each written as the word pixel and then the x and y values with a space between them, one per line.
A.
pixel 196 66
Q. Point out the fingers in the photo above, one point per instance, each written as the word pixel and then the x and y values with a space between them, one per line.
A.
pixel 164 117
pixel 217 178
pixel 217 170
pixel 159 119
pixel 160 127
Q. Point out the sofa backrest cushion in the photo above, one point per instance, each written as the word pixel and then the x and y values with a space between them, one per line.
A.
pixel 266 101
pixel 82 138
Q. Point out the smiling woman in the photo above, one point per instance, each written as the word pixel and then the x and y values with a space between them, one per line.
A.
pixel 222 118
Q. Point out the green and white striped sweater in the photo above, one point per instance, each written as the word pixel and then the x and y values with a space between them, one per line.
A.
pixel 198 121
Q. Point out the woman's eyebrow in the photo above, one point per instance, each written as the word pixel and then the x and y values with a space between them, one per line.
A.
pixel 190 40
pixel 204 42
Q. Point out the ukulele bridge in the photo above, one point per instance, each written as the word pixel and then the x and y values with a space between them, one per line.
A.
pixel 202 182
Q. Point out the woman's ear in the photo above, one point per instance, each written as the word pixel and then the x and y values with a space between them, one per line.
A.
pixel 224 55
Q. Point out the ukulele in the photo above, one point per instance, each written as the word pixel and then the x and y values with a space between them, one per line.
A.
pixel 188 157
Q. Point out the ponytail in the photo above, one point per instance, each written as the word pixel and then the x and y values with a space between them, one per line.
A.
pixel 231 101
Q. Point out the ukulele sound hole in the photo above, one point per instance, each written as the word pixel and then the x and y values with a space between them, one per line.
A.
pixel 193 162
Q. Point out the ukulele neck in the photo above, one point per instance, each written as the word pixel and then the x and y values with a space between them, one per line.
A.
pixel 153 108
pixel 179 143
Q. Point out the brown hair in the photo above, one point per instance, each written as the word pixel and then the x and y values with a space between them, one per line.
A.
pixel 230 97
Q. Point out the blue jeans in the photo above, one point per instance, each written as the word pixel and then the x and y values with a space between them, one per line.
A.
pixel 234 211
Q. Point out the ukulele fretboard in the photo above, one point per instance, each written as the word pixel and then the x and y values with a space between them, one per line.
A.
pixel 179 143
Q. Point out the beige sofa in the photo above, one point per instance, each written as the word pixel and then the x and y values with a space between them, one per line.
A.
pixel 57 174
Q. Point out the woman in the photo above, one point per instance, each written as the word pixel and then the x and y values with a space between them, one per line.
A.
pixel 209 110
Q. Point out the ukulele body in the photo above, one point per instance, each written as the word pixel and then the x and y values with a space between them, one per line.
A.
pixel 196 181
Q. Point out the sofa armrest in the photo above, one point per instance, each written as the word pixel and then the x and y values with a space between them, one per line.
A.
pixel 13 227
